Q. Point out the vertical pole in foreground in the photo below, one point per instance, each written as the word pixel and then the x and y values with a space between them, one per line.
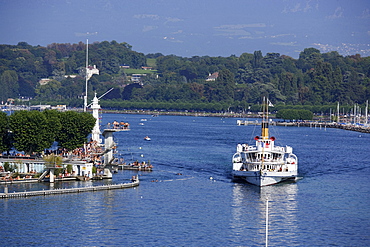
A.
pixel 86 78
pixel 267 221
pixel 366 110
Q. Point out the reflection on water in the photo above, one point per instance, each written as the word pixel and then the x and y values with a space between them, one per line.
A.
pixel 249 213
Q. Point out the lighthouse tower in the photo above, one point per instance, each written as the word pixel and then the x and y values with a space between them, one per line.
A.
pixel 96 130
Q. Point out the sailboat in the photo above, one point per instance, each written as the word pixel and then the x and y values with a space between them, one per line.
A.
pixel 264 163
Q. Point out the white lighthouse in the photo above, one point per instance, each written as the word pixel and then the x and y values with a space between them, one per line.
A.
pixel 109 144
pixel 96 130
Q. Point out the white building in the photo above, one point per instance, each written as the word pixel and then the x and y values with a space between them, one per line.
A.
pixel 92 70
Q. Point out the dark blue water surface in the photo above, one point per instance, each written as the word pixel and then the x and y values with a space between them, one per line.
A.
pixel 328 206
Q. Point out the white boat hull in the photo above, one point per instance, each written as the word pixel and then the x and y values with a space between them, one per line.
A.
pixel 264 178
pixel 264 163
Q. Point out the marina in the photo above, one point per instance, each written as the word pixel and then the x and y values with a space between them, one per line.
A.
pixel 350 127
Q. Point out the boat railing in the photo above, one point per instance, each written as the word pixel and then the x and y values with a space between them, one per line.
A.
pixel 268 167
pixel 269 161
pixel 237 158
pixel 278 149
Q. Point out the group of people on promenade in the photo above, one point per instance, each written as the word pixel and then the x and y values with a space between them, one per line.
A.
pixel 9 176
pixel 118 125
pixel 141 164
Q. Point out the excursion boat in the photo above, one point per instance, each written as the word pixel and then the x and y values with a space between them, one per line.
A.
pixel 264 163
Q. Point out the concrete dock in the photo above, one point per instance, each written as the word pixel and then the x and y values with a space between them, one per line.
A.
pixel 70 190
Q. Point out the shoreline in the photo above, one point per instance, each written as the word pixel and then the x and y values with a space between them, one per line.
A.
pixel 176 113
pixel 318 122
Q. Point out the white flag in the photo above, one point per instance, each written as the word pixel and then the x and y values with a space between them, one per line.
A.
pixel 270 104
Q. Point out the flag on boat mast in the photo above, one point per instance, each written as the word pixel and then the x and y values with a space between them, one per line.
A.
pixel 269 102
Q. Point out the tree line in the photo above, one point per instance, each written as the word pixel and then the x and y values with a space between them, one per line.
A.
pixel 314 79
pixel 35 131
pixel 294 114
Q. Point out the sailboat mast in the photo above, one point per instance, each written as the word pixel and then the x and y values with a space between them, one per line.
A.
pixel 338 113
pixel 86 76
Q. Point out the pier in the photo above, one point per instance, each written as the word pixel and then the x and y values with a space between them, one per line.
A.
pixel 70 190
pixel 357 128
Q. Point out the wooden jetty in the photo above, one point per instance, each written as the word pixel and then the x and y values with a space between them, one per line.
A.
pixel 70 190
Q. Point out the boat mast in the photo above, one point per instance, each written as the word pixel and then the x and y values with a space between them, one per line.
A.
pixel 338 112
pixel 265 123
pixel 86 76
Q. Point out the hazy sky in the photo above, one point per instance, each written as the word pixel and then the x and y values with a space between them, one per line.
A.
pixel 193 27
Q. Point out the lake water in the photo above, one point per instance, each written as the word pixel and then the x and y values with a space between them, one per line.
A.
pixel 327 206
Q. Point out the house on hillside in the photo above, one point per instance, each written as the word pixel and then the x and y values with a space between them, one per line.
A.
pixel 212 77
pixel 44 81
pixel 137 77
pixel 92 70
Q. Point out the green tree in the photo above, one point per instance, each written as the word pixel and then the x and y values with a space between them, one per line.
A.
pixel 294 114
pixel 75 127
pixel 49 90
pixel 52 160
pixel 257 61
pixel 31 131
pixel 4 134
pixel 9 85
pixel 53 122
pixel 308 59
pixel 222 89
pixel 305 115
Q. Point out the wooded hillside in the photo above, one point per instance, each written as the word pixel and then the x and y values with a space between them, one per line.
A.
pixel 176 82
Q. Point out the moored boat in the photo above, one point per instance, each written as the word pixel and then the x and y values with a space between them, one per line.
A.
pixel 264 163
pixel 140 166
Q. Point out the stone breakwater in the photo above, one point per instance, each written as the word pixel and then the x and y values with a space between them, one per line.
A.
pixel 357 128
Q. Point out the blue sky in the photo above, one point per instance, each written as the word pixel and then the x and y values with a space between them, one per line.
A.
pixel 193 27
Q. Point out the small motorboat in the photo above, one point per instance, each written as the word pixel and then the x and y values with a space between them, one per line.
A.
pixel 147 138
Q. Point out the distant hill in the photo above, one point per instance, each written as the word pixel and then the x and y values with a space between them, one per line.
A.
pixel 314 78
